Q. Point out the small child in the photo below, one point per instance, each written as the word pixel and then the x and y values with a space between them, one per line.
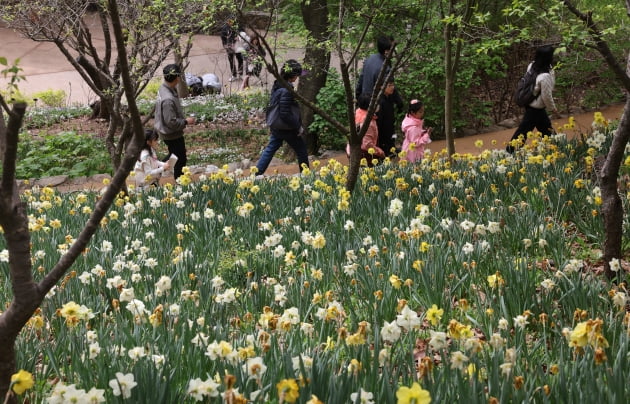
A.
pixel 370 139
pixel 416 136
pixel 148 168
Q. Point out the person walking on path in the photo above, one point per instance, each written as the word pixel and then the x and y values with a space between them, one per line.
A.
pixel 148 168
pixel 229 36
pixel 536 112
pixel 416 136
pixel 289 113
pixel 390 104
pixel 169 117
pixel 372 67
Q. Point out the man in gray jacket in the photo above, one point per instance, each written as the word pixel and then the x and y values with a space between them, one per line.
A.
pixel 169 117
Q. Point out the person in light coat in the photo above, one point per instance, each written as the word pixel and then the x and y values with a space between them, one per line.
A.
pixel 536 115
pixel 148 168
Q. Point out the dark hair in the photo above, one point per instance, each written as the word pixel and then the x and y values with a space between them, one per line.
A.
pixel 414 106
pixel 149 134
pixel 290 69
pixel 383 44
pixel 543 59
pixel 363 100
pixel 171 72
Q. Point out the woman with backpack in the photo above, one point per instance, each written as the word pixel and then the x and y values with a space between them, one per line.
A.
pixel 536 111
pixel 289 123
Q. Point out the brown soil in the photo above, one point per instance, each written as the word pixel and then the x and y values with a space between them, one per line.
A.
pixel 491 140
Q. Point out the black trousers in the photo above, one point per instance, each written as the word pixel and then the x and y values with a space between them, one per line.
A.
pixel 239 61
pixel 178 148
pixel 533 118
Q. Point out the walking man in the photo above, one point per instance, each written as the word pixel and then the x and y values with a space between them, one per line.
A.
pixel 169 117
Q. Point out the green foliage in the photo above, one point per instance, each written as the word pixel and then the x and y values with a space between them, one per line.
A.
pixel 66 153
pixel 12 71
pixel 51 98
pixel 149 94
pixel 38 117
pixel 332 97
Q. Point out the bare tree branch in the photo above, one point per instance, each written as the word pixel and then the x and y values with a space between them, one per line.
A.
pixel 121 174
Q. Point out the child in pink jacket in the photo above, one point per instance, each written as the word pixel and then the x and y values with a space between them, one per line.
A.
pixel 370 139
pixel 416 136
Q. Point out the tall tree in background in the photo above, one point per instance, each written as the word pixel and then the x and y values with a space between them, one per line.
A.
pixel 316 59
pixel 456 18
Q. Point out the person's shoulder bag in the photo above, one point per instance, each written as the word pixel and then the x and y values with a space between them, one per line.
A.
pixel 274 121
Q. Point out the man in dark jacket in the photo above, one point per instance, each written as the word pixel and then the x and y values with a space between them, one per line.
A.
pixel 169 117
pixel 372 67
pixel 289 113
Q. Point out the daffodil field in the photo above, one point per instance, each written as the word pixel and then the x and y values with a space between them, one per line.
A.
pixel 465 281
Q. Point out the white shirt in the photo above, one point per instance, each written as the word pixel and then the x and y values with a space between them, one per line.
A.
pixel 147 168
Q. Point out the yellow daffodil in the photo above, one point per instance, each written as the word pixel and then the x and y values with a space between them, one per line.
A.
pixel 21 381
pixel 288 390
pixel 434 315
pixel 413 395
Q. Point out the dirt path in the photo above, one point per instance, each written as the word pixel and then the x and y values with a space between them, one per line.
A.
pixel 491 140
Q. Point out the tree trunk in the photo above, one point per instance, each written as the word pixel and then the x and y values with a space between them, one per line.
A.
pixel 612 208
pixel 448 93
pixel 316 60
pixel 99 82
pixel 14 221
pixel 182 87
pixel 449 85
pixel 354 163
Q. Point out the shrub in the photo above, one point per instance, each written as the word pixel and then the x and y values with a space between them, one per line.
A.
pixel 333 96
pixel 66 153
pixel 51 98
pixel 150 91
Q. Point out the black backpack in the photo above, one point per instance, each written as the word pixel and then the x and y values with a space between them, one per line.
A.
pixel 524 94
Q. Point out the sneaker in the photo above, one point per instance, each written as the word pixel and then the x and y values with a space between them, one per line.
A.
pixel 233 78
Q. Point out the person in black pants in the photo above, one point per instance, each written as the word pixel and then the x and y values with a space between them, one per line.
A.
pixel 229 35
pixel 289 113
pixel 536 112
pixel 169 120
pixel 390 104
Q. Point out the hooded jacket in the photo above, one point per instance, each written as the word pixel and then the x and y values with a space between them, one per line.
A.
pixel 415 138
pixel 370 139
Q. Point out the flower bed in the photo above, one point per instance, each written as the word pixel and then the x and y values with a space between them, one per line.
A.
pixel 471 279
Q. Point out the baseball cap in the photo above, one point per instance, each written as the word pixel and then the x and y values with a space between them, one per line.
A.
pixel 171 72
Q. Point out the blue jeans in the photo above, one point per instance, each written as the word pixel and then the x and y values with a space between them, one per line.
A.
pixel 296 143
